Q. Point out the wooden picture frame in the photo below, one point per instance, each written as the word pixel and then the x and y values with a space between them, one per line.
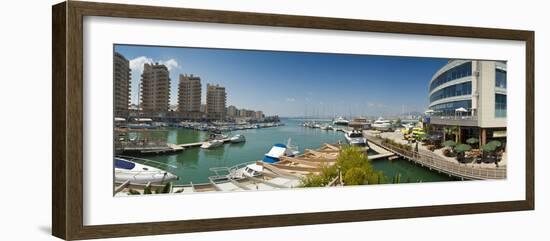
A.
pixel 67 137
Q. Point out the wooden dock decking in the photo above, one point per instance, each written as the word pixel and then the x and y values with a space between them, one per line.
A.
pixel 198 144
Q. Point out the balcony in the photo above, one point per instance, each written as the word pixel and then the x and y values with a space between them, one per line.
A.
pixel 454 120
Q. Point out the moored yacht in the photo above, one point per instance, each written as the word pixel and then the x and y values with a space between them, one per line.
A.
pixel 237 138
pixel 211 144
pixel 136 173
pixel 355 138
pixel 382 124
pixel 340 121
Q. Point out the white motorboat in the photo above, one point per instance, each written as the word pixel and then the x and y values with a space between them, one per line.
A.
pixel 382 124
pixel 280 150
pixel 356 138
pixel 237 138
pixel 126 170
pixel 250 170
pixel 211 144
pixel 340 121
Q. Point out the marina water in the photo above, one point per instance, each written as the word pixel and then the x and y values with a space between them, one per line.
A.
pixel 193 164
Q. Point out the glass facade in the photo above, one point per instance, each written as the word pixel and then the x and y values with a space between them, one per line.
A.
pixel 500 80
pixel 448 109
pixel 453 90
pixel 457 72
pixel 500 105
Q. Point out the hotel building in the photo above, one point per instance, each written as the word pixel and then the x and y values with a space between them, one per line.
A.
pixel 121 78
pixel 189 93
pixel 215 101
pixel 155 88
pixel 469 96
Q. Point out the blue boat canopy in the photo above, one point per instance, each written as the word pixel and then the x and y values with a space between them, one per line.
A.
pixel 280 145
pixel 269 159
pixel 123 164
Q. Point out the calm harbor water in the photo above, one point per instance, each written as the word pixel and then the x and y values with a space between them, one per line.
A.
pixel 193 164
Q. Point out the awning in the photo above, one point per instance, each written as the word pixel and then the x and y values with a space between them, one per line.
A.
pixel 497 134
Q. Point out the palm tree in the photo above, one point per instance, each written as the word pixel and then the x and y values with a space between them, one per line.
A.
pixel 418 138
pixel 449 131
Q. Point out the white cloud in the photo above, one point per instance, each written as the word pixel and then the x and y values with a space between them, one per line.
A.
pixel 136 64
pixel 170 64
pixel 290 99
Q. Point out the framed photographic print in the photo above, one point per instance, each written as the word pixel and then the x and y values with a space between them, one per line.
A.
pixel 213 120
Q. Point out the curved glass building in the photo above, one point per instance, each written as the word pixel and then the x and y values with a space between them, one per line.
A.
pixel 469 95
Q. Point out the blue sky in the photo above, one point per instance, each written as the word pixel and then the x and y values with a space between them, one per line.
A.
pixel 295 83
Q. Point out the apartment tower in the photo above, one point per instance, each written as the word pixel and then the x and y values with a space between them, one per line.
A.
pixel 155 88
pixel 215 101
pixel 121 78
pixel 189 93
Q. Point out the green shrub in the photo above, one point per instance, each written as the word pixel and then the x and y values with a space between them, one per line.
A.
pixel 133 192
pixel 355 167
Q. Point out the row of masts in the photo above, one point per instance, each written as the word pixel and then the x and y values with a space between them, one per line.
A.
pixel 316 114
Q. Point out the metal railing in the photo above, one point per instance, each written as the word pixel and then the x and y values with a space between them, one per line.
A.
pixel 466 117
pixel 437 163
pixel 147 162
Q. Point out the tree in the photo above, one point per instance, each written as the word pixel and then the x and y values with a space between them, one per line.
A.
pixel 355 176
pixel 398 122
pixel 418 138
pixel 355 167
pixel 449 131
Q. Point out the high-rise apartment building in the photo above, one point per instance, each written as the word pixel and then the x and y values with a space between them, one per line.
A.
pixel 215 101
pixel 121 78
pixel 155 88
pixel 189 93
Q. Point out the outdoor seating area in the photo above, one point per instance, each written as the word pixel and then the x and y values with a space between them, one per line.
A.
pixel 469 152
pixel 472 153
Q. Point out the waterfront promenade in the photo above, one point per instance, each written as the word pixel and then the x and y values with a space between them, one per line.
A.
pixel 439 164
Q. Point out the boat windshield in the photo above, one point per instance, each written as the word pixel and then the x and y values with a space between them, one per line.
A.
pixel 355 134
pixel 123 164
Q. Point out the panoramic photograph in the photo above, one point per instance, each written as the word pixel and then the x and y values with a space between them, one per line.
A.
pixel 195 120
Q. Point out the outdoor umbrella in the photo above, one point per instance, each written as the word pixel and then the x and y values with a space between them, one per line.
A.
pixel 488 148
pixel 449 143
pixel 472 140
pixel 461 109
pixel 462 148
pixel 495 143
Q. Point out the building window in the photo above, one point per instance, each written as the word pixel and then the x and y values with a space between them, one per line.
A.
pixel 500 105
pixel 457 72
pixel 453 90
pixel 449 109
pixel 500 80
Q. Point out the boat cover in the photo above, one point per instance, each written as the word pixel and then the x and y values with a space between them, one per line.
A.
pixel 123 164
